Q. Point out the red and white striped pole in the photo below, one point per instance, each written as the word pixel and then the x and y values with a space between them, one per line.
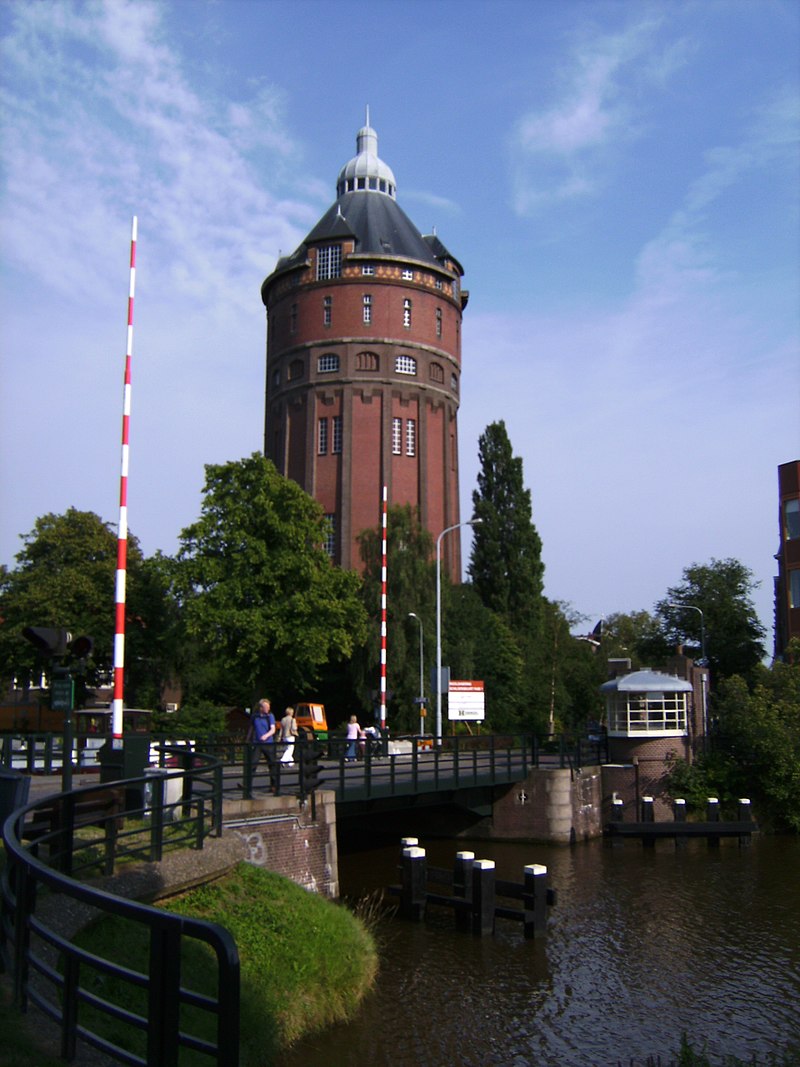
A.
pixel 383 611
pixel 122 530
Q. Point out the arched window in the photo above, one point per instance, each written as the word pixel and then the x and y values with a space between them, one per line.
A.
pixel 367 361
pixel 437 372
pixel 405 365
pixel 328 364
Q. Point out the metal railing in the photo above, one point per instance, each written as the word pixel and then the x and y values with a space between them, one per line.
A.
pixel 48 843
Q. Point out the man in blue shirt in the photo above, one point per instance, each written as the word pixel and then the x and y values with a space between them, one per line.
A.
pixel 264 737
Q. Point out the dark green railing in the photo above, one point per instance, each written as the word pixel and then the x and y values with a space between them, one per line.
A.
pixel 95 830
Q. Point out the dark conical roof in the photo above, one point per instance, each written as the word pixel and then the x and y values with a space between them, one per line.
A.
pixel 370 215
pixel 378 223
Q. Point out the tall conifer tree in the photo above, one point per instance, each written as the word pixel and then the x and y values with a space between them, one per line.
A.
pixel 506 562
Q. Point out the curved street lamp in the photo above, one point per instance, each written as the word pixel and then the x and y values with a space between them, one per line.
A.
pixel 449 529
pixel 702 661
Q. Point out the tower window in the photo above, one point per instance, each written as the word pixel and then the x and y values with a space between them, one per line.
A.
pixel 366 361
pixel 397 437
pixel 296 369
pixel 368 269
pixel 337 435
pixel 329 262
pixel 276 377
pixel 791 512
pixel 794 588
pixel 438 283
pixel 322 437
pixel 367 307
pixel 438 322
pixel 327 310
pixel 293 319
pixel 454 383
pixel 407 313
pixel 411 437
pixel 437 372
pixel 405 365
pixel 408 275
pixel 328 364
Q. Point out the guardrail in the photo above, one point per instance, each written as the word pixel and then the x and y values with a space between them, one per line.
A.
pixel 48 843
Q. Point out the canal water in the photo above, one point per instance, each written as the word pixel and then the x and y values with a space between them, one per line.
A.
pixel 642 945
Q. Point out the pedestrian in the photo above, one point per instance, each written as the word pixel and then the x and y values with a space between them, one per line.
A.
pixel 288 734
pixel 353 730
pixel 263 735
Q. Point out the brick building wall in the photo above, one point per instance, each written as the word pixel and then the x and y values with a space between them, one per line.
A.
pixel 290 839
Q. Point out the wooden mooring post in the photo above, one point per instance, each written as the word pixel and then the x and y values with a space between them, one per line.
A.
pixel 474 891
pixel 712 828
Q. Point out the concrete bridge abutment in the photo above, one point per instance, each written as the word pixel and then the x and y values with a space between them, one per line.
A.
pixel 554 805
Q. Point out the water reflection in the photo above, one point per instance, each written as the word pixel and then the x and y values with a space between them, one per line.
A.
pixel 642 945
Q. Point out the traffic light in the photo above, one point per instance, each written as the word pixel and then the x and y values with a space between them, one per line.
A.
pixel 49 641
pixel 82 646
pixel 310 770
pixel 54 641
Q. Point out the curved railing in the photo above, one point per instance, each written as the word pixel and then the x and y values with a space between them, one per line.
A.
pixel 101 828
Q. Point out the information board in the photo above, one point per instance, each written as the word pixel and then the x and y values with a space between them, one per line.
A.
pixel 465 701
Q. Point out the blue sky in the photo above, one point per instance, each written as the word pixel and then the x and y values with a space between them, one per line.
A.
pixel 619 179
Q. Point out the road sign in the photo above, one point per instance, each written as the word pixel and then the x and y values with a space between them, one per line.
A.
pixel 465 700
pixel 61 694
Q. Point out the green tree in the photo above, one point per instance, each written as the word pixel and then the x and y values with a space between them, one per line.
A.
pixel 259 594
pixel 410 587
pixel 65 577
pixel 477 643
pixel 506 561
pixel 755 750
pixel 722 591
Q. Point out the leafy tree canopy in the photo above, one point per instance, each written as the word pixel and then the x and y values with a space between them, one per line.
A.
pixel 755 746
pixel 506 562
pixel 259 593
pixel 731 631
pixel 65 578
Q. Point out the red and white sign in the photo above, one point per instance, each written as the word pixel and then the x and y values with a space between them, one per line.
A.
pixel 465 701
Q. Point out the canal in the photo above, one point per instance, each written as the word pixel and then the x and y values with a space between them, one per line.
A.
pixel 643 944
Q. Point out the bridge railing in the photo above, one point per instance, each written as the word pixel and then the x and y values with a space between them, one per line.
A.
pixel 39 891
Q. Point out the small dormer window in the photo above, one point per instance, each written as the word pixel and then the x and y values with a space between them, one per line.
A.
pixel 329 262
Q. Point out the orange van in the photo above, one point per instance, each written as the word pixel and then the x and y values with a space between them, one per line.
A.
pixel 310 718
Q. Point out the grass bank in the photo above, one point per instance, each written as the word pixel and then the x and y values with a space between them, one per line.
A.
pixel 305 963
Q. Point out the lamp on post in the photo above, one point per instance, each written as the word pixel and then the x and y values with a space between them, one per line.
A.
pixel 703 661
pixel 413 615
pixel 449 529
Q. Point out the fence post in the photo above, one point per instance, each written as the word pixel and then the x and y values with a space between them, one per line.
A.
pixel 483 885
pixel 247 771
pixel 648 816
pixel 462 887
pixel 534 900
pixel 679 808
pixel 412 891
pixel 745 815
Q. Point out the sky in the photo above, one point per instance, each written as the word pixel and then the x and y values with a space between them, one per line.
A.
pixel 620 180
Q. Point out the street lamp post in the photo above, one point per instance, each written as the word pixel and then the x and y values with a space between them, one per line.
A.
pixel 704 676
pixel 449 529
pixel 413 615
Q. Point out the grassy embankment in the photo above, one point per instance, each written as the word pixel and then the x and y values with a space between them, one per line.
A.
pixel 305 963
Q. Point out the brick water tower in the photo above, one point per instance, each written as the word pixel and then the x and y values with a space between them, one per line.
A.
pixel 364 362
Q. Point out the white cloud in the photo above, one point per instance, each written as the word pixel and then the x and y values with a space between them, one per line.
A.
pixel 557 153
